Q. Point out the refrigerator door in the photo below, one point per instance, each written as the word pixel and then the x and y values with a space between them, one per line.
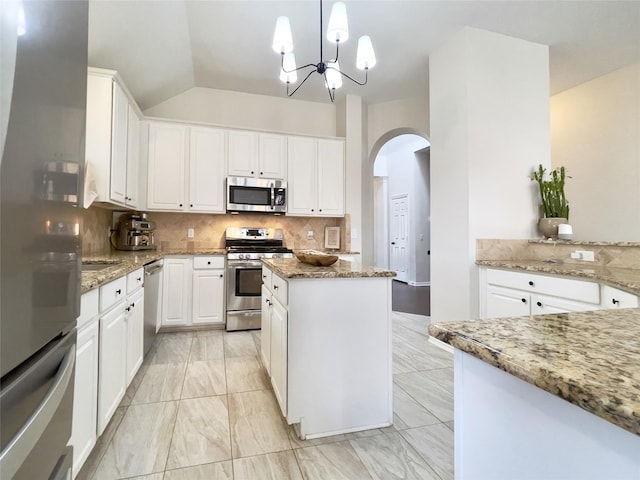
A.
pixel 41 172
pixel 36 404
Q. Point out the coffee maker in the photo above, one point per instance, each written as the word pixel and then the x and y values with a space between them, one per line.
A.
pixel 134 232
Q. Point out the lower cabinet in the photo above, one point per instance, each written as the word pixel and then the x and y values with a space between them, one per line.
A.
pixel 85 394
pixel 193 291
pixel 279 353
pixel 112 381
pixel 135 333
pixel 265 329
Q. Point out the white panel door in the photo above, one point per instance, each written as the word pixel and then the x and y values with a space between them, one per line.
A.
pixel 506 302
pixel 208 296
pixel 242 153
pixel 135 333
pixel 176 291
pixel 120 116
pixel 279 354
pixel 399 236
pixel 133 158
pixel 330 178
pixel 272 158
pixel 167 164
pixel 206 170
pixel 302 182
pixel 265 331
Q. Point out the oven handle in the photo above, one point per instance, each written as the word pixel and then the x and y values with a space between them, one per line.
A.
pixel 244 263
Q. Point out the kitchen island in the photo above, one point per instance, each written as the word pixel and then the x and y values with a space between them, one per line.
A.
pixel 326 345
pixel 547 396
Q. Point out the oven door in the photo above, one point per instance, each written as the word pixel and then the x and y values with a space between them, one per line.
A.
pixel 244 284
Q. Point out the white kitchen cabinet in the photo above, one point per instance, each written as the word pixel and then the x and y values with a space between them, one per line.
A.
pixel 207 170
pixel 208 291
pixel 278 352
pixel 272 156
pixel 85 389
pixel 166 167
pixel 265 329
pixel 508 293
pixel 112 138
pixel 316 179
pixel 176 291
pixel 134 318
pixel 616 298
pixel 242 153
pixel 186 168
pixel 113 358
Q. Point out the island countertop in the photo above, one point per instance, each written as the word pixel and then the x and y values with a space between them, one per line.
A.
pixel 294 268
pixel 590 359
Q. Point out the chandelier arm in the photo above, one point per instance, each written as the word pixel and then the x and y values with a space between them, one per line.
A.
pixel 301 83
pixel 295 69
pixel 337 51
pixel 331 96
pixel 366 76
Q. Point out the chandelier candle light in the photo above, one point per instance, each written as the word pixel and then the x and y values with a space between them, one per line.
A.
pixel 337 32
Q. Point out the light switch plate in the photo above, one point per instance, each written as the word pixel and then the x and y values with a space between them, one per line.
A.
pixel 191 233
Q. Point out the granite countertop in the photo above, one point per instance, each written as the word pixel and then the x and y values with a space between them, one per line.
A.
pixel 627 279
pixel 294 268
pixel 124 262
pixel 590 359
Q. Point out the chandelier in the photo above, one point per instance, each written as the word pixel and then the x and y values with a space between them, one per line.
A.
pixel 337 32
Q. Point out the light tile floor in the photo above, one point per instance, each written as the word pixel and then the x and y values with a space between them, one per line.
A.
pixel 201 407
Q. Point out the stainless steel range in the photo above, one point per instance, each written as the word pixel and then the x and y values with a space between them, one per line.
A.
pixel 246 247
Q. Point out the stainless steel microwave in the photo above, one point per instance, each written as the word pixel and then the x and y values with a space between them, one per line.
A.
pixel 248 194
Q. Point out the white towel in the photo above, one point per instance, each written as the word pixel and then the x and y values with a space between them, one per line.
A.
pixel 90 187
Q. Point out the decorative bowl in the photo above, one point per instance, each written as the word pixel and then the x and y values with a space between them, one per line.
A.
pixel 313 257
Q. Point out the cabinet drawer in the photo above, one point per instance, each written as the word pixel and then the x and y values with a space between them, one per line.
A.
pixel 112 292
pixel 615 298
pixel 267 276
pixel 208 261
pixel 89 307
pixel 280 289
pixel 579 290
pixel 135 280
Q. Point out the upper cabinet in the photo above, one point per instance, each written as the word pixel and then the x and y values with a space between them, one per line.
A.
pixel 186 168
pixel 112 138
pixel 316 177
pixel 260 155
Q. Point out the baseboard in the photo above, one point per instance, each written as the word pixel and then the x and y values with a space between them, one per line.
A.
pixel 420 284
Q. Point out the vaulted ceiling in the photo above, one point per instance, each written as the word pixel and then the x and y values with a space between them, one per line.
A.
pixel 164 47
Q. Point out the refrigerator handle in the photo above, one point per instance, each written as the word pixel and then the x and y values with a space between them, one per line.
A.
pixel 15 453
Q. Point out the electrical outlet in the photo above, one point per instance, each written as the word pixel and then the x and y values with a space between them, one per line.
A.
pixel 586 255
pixel 309 234
pixel 191 233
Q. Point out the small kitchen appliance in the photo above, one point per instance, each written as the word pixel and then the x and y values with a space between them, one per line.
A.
pixel 134 232
pixel 256 195
pixel 246 247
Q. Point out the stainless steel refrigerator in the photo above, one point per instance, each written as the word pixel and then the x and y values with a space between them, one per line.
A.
pixel 43 48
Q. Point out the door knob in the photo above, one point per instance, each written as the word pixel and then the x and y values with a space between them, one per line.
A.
pixel 393 243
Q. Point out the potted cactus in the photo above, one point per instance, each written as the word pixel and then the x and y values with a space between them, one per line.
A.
pixel 555 206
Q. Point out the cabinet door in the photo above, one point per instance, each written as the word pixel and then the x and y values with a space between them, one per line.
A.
pixel 135 333
pixel 176 291
pixel 272 158
pixel 133 158
pixel 208 296
pixel 167 157
pixel 302 176
pixel 543 304
pixel 85 395
pixel 279 354
pixel 265 332
pixel 113 359
pixel 242 153
pixel 118 187
pixel 330 178
pixel 614 298
pixel 206 170
pixel 505 302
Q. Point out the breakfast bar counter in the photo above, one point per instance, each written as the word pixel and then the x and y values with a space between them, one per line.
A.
pixel 294 268
pixel 547 396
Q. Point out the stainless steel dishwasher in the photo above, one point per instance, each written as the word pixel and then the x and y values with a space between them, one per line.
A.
pixel 152 301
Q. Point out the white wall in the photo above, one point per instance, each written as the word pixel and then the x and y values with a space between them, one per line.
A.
pixel 595 134
pixel 489 97
pixel 245 110
pixel 388 116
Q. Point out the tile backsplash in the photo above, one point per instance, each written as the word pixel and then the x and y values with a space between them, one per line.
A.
pixel 171 229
